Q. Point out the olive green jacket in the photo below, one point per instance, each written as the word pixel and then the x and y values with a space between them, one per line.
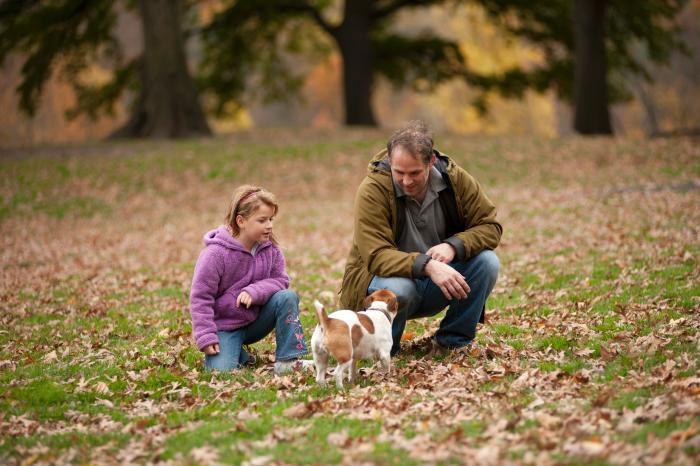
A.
pixel 374 250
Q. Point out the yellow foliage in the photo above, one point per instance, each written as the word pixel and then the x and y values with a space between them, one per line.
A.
pixel 487 50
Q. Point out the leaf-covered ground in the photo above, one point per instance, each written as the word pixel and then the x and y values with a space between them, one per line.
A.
pixel 590 353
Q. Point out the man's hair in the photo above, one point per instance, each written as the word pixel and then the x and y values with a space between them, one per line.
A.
pixel 415 138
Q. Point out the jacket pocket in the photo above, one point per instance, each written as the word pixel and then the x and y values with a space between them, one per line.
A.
pixel 225 305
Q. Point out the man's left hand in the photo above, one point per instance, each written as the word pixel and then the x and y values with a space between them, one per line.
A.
pixel 442 252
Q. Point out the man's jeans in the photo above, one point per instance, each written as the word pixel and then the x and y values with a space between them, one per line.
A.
pixel 281 313
pixel 422 298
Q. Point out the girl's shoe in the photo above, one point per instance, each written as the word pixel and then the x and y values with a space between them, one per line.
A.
pixel 293 365
pixel 248 357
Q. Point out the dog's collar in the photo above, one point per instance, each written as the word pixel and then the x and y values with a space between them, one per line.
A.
pixel 383 311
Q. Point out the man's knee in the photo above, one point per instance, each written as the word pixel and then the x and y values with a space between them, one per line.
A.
pixel 403 288
pixel 489 264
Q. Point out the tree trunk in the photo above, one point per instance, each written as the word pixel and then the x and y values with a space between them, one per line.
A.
pixel 354 41
pixel 590 75
pixel 168 104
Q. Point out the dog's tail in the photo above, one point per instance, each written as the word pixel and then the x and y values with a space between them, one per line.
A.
pixel 321 314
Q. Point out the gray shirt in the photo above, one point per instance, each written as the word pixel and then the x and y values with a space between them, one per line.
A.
pixel 425 222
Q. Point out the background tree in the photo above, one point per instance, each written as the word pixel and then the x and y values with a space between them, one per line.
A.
pixel 590 65
pixel 238 41
pixel 589 48
pixel 67 36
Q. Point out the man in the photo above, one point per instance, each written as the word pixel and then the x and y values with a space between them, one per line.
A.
pixel 425 230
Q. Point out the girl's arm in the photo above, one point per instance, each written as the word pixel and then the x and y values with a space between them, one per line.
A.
pixel 205 284
pixel 262 290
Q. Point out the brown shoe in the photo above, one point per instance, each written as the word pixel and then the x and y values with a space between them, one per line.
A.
pixel 436 349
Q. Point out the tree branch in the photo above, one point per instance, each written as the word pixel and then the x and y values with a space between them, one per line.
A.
pixel 312 11
pixel 393 7
pixel 316 15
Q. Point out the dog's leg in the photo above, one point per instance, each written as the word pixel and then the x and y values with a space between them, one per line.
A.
pixel 340 371
pixel 385 362
pixel 353 372
pixel 321 363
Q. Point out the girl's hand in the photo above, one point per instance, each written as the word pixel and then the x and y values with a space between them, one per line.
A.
pixel 245 299
pixel 211 350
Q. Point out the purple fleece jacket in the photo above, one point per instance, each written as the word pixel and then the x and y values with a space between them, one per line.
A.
pixel 225 269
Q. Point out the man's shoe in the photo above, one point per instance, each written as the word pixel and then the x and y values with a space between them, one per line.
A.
pixel 436 349
pixel 293 365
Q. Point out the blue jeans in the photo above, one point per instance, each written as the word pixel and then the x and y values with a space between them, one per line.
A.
pixel 281 313
pixel 422 298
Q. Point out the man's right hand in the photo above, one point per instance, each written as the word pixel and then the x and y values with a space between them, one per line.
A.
pixel 211 350
pixel 451 282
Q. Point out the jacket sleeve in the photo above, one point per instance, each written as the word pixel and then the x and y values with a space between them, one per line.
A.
pixel 482 231
pixel 374 236
pixel 205 284
pixel 262 290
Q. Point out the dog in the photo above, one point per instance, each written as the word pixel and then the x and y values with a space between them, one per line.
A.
pixel 349 336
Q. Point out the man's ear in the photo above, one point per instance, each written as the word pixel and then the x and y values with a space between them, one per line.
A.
pixel 433 159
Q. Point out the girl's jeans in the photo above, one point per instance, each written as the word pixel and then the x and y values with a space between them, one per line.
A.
pixel 422 298
pixel 281 313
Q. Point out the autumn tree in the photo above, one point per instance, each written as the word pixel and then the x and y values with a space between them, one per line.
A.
pixel 239 44
pixel 589 50
pixel 65 37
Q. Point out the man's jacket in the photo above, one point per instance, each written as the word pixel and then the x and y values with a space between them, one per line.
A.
pixel 470 217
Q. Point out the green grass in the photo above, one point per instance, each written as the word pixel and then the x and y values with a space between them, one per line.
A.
pixel 630 399
pixel 115 311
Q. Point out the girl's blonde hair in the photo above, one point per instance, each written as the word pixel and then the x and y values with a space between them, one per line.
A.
pixel 245 201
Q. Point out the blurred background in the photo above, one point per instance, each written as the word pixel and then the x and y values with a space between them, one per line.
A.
pixel 79 70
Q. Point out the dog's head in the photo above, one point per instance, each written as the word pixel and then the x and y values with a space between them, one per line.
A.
pixel 383 296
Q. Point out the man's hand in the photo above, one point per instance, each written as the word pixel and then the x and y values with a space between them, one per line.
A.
pixel 245 299
pixel 451 282
pixel 442 252
pixel 211 350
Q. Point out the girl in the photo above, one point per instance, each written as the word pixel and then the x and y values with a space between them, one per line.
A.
pixel 239 290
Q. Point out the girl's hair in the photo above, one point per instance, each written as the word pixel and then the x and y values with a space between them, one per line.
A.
pixel 245 201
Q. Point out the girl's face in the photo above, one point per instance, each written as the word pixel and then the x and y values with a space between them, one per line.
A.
pixel 257 227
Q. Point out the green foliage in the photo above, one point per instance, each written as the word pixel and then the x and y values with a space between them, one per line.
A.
pixel 93 99
pixel 421 62
pixel 630 26
pixel 66 34
pixel 256 46
pixel 249 46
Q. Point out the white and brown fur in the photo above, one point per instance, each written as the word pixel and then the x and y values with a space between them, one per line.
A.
pixel 349 336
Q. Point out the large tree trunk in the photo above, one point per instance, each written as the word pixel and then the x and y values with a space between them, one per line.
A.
pixel 590 76
pixel 168 105
pixel 354 41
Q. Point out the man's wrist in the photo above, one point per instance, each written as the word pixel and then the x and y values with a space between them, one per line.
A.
pixel 418 270
pixel 425 266
pixel 458 246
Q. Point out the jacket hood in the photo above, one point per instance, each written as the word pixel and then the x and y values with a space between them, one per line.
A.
pixel 222 237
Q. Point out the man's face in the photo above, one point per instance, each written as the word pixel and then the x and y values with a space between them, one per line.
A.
pixel 410 173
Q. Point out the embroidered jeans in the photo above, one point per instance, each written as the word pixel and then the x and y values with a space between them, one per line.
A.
pixel 422 298
pixel 281 313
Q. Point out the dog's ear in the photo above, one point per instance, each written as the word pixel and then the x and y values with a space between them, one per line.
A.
pixel 393 305
pixel 367 302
